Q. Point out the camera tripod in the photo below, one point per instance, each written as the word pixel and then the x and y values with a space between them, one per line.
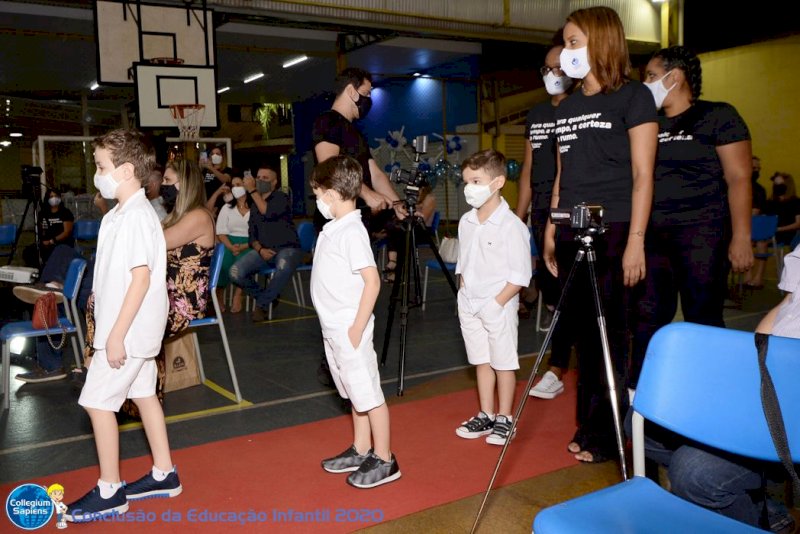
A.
pixel 586 252
pixel 402 282
pixel 32 189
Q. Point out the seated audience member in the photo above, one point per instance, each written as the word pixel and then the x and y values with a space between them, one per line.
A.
pixel 720 481
pixel 54 228
pixel 232 231
pixel 273 240
pixel 785 204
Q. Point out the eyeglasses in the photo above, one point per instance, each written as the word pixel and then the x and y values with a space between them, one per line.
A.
pixel 555 70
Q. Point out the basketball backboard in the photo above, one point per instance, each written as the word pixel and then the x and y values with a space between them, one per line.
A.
pixel 159 86
pixel 129 31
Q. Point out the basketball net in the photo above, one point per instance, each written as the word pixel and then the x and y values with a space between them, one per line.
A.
pixel 188 118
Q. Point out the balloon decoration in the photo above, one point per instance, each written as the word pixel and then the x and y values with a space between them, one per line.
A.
pixel 454 144
pixel 512 170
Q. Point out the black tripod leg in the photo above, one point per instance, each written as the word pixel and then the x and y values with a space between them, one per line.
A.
pixel 408 257
pixel 612 388
pixel 387 335
pixel 542 349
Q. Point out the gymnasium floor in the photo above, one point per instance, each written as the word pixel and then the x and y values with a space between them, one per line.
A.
pixel 46 432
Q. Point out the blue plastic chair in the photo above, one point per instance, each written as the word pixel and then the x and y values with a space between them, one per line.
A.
pixel 308 240
pixel 8 235
pixel 701 382
pixel 85 232
pixel 67 324
pixel 433 264
pixel 213 279
pixel 764 228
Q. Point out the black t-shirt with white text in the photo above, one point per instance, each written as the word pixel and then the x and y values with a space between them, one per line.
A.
pixel 332 127
pixel 690 186
pixel 540 132
pixel 52 224
pixel 212 183
pixel 595 150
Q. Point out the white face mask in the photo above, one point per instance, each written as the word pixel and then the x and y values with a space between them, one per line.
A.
pixel 216 159
pixel 556 85
pixel 478 194
pixel 575 63
pixel 659 91
pixel 324 209
pixel 54 201
pixel 238 191
pixel 106 185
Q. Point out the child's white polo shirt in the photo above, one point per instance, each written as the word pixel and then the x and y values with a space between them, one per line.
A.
pixel 493 253
pixel 341 252
pixel 130 237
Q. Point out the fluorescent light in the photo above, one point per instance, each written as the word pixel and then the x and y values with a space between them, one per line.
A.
pixel 5 143
pixel 15 134
pixel 94 86
pixel 254 77
pixel 417 74
pixel 222 90
pixel 295 61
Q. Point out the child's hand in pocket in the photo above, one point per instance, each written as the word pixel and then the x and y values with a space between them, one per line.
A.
pixel 354 335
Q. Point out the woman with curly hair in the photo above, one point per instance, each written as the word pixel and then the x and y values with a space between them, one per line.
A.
pixel 700 222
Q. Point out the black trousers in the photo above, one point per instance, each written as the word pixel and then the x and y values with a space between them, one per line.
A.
pixel 690 261
pixel 595 421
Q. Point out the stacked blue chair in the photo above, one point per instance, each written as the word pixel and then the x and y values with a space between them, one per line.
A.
pixel 85 232
pixel 703 383
pixel 308 239
pixel 213 275
pixel 67 324
pixel 764 228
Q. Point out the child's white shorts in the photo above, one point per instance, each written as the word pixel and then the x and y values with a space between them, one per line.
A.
pixel 355 370
pixel 490 331
pixel 107 388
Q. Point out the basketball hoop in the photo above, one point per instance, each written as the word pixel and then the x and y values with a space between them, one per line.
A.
pixel 188 117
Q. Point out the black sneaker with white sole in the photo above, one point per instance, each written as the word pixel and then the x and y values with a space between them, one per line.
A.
pixel 374 472
pixel 501 431
pixel 148 487
pixel 93 507
pixel 40 375
pixel 345 462
pixel 478 426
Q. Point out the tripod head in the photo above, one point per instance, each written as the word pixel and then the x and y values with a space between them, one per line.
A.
pixel 413 180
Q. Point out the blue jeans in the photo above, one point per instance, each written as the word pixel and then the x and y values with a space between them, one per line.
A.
pixel 243 274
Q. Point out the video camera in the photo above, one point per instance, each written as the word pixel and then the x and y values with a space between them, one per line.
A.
pixel 31 180
pixel 412 179
pixel 581 217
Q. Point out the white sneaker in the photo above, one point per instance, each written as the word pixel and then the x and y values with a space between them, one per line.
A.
pixel 549 387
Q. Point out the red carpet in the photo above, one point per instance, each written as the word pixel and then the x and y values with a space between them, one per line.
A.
pixel 279 471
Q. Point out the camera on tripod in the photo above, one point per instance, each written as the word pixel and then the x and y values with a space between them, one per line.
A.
pixel 581 217
pixel 412 179
pixel 31 180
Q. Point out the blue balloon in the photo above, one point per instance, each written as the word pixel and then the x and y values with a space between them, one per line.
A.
pixel 449 150
pixel 387 167
pixel 456 139
pixel 513 170
pixel 388 138
pixel 394 143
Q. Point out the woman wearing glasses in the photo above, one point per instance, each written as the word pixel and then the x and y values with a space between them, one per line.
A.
pixel 539 163
pixel 702 202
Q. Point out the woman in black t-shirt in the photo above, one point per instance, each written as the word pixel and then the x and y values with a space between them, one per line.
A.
pixel 607 137
pixel 55 228
pixel 702 203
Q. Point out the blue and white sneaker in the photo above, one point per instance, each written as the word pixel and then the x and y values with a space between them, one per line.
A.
pixel 93 507
pixel 148 487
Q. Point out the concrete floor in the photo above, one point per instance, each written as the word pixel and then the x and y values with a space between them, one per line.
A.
pixel 46 432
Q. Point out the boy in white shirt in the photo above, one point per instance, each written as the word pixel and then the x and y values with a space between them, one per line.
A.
pixel 344 287
pixel 130 311
pixel 494 264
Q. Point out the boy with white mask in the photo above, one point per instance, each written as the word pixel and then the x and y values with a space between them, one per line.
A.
pixel 344 287
pixel 494 263
pixel 130 309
